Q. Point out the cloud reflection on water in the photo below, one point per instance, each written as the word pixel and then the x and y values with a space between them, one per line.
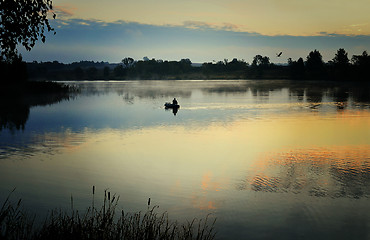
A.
pixel 333 171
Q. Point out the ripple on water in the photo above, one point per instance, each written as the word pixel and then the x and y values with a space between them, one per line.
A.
pixel 334 172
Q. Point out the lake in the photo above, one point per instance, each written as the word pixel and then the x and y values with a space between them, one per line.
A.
pixel 268 159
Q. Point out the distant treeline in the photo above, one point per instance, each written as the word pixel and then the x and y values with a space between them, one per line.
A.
pixel 340 68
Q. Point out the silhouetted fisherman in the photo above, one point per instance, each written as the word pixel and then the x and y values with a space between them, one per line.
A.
pixel 174 101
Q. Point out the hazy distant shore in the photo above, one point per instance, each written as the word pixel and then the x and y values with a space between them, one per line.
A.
pixel 339 69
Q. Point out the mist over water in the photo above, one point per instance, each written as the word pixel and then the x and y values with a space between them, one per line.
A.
pixel 268 159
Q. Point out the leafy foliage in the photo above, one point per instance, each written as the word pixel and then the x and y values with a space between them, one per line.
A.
pixel 23 22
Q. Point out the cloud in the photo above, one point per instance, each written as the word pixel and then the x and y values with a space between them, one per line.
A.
pixel 327 34
pixel 64 12
pixel 198 25
pixel 212 26
pixel 85 23
pixel 357 28
pixel 81 39
pixel 231 27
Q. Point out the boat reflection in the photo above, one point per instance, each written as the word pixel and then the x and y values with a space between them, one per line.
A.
pixel 172 106
pixel 174 110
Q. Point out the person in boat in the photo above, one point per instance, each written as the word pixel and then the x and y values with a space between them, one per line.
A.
pixel 174 101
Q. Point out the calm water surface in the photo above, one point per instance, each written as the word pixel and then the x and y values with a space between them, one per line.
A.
pixel 268 159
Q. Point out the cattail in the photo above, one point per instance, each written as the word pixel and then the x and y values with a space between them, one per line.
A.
pixel 148 201
pixel 108 196
pixel 93 199
pixel 71 201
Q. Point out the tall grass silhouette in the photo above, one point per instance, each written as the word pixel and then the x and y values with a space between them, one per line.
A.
pixel 104 222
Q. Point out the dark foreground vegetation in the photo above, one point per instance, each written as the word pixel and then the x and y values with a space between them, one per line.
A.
pixel 340 68
pixel 104 222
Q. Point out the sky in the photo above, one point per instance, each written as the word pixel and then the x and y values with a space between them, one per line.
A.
pixel 203 30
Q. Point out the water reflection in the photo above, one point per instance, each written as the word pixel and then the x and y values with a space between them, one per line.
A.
pixel 174 110
pixel 250 152
pixel 333 172
pixel 13 115
pixel 319 97
pixel 15 110
pixel 134 89
pixel 313 92
pixel 35 144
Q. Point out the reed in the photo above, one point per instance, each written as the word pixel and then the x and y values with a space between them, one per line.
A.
pixel 15 223
pixel 105 222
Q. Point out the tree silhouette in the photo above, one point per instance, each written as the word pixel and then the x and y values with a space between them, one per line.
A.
pixel 361 60
pixel 236 65
pixel 314 60
pixel 339 66
pixel 341 58
pixel 361 66
pixel 92 72
pixel 258 60
pixel 265 61
pixel 106 72
pixel 119 71
pixel 259 65
pixel 79 73
pixel 315 65
pixel 297 69
pixel 185 65
pixel 185 61
pixel 22 22
pixel 128 62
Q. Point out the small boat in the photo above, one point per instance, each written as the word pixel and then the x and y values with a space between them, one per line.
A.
pixel 171 105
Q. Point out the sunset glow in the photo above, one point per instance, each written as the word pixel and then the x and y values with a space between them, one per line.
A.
pixel 269 17
pixel 203 30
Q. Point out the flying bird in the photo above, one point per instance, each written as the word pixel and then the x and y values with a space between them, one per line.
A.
pixel 279 54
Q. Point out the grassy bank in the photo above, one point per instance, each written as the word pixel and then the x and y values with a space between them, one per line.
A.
pixel 104 222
